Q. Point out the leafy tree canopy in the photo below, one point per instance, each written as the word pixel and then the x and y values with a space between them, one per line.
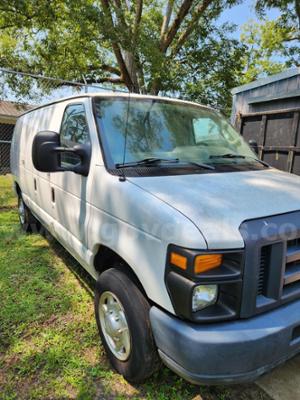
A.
pixel 147 46
pixel 272 45
pixel 289 9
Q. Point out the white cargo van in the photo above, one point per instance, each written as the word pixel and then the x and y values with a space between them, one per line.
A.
pixel 194 242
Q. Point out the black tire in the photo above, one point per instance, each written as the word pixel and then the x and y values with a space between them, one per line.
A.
pixel 28 222
pixel 143 359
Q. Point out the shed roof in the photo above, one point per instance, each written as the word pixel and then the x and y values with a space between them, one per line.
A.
pixel 12 109
pixel 278 96
pixel 289 73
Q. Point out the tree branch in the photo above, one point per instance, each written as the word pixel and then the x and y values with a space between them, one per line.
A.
pixel 291 39
pixel 166 20
pixel 138 17
pixel 168 35
pixel 182 13
pixel 124 72
pixel 120 14
pixel 118 54
pixel 297 8
pixel 191 26
pixel 136 60
pixel 108 79
pixel 141 77
pixel 94 68
pixel 111 69
pixel 89 81
pixel 118 3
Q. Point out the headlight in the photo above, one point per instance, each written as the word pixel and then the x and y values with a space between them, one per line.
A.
pixel 204 296
pixel 204 286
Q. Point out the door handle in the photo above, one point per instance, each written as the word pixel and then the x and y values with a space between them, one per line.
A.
pixel 53 195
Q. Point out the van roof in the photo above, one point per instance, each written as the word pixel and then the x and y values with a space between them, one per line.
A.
pixel 117 94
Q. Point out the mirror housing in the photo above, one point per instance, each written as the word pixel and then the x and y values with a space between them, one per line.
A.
pixel 46 151
pixel 44 155
pixel 253 144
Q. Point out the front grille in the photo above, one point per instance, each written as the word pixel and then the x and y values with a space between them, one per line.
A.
pixel 263 270
pixel 291 279
pixel 271 271
pixel 281 282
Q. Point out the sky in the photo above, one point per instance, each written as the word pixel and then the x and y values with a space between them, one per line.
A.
pixel 242 13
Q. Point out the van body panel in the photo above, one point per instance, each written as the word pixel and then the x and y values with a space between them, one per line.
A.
pixel 138 227
pixel 219 203
pixel 72 193
pixel 47 118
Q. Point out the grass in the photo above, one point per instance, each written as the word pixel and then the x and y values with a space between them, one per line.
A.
pixel 49 345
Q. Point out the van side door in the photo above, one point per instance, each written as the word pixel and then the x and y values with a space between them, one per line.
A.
pixel 71 192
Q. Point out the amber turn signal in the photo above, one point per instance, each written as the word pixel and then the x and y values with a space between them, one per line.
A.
pixel 207 262
pixel 178 260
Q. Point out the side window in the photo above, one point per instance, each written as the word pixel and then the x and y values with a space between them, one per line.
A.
pixel 74 130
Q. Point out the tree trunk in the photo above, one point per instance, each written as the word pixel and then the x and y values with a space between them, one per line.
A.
pixel 132 70
pixel 155 87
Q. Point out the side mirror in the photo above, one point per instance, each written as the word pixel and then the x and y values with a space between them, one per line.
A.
pixel 46 151
pixel 254 146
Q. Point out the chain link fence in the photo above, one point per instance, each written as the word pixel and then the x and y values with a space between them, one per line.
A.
pixel 22 91
pixel 6 131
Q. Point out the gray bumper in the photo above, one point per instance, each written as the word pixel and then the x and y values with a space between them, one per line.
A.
pixel 231 352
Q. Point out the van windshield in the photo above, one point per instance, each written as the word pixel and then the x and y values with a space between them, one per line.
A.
pixel 141 129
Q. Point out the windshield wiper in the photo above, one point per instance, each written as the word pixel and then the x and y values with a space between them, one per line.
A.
pixel 231 155
pixel 153 161
pixel 260 161
pixel 147 162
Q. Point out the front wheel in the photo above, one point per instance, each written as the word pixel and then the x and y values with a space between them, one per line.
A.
pixel 27 221
pixel 122 315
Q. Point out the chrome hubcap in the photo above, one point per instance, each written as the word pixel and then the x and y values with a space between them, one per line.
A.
pixel 22 212
pixel 114 325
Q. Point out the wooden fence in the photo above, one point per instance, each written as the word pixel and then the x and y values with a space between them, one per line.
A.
pixel 277 134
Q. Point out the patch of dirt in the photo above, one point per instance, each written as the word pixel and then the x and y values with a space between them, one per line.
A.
pixel 91 355
pixel 7 208
pixel 235 392
pixel 120 388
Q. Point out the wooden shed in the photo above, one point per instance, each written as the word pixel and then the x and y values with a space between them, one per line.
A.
pixel 267 111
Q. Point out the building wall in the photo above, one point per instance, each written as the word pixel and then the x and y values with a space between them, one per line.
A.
pixel 268 112
pixel 279 88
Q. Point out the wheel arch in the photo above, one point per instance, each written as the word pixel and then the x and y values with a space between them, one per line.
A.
pixel 106 258
pixel 17 189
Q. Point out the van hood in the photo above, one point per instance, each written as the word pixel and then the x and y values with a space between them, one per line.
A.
pixel 218 203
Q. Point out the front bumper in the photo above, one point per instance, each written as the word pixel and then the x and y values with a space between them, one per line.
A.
pixel 230 352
